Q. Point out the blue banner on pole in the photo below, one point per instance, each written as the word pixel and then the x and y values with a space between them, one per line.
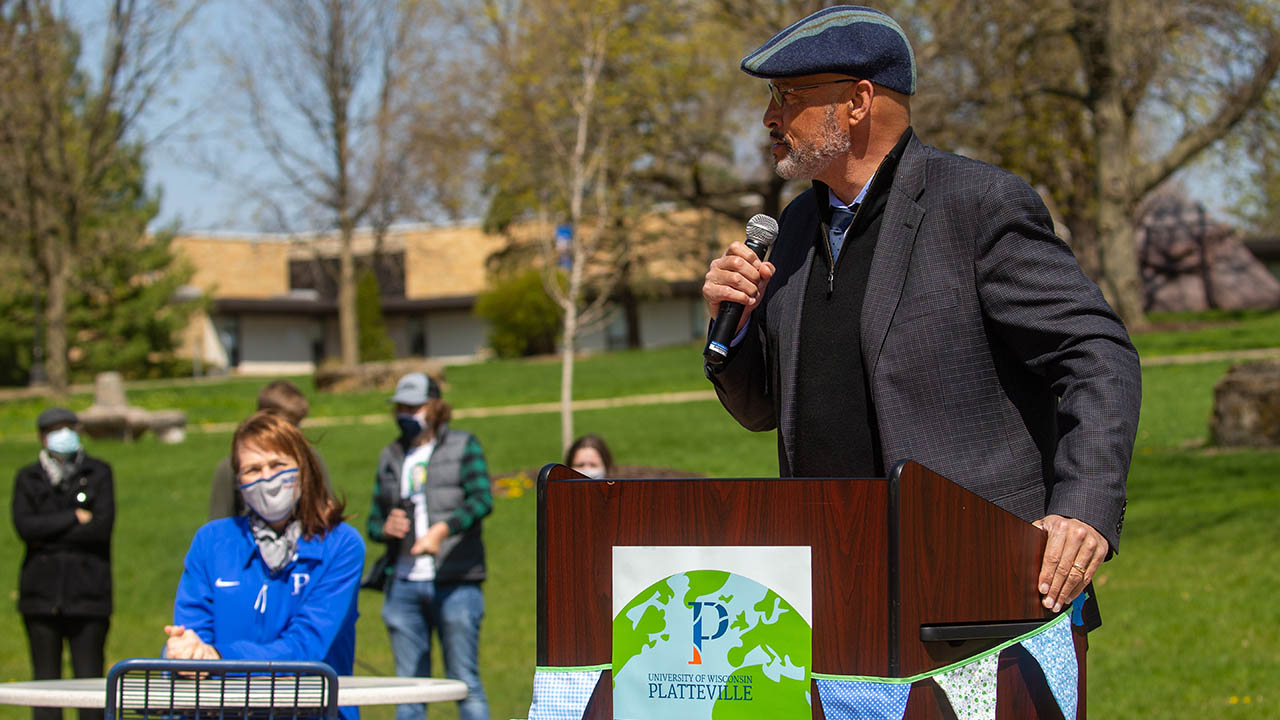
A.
pixel 564 245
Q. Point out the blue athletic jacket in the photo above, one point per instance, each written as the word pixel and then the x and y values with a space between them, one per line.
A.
pixel 307 611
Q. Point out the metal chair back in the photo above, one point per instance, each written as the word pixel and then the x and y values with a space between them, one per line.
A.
pixel 161 689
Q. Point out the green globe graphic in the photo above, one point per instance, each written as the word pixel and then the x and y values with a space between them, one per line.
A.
pixel 709 644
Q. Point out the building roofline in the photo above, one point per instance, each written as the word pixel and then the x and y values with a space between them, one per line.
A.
pixel 306 235
pixel 300 306
pixel 394 306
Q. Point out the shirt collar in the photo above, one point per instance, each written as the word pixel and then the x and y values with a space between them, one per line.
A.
pixel 836 202
pixel 884 174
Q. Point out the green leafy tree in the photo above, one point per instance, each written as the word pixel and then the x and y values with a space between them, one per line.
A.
pixel 577 112
pixel 17 329
pixel 1253 163
pixel 126 301
pixel 375 343
pixel 66 135
pixel 127 311
pixel 523 320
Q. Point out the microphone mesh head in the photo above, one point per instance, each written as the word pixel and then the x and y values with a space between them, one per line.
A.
pixel 762 229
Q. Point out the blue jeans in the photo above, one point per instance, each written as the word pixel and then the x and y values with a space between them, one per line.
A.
pixel 411 610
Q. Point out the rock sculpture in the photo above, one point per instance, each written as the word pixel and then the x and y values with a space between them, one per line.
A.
pixel 111 416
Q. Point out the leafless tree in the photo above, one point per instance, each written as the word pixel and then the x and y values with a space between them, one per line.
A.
pixel 329 88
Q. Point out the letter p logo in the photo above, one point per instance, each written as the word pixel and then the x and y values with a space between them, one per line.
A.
pixel 722 625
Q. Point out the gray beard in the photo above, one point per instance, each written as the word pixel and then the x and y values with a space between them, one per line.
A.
pixel 805 162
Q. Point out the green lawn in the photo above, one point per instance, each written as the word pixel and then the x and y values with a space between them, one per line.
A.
pixel 495 383
pixel 1189 625
pixel 162 494
pixel 1189 630
pixel 1211 331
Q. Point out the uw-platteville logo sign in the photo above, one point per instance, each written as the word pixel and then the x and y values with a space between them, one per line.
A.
pixel 721 626
pixel 703 644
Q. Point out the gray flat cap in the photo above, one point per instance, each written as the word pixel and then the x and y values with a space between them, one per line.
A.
pixel 845 39
pixel 55 416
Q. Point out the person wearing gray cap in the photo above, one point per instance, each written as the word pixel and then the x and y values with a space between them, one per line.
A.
pixel 431 491
pixel 64 509
pixel 917 305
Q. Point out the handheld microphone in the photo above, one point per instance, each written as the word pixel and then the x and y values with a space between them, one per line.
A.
pixel 762 230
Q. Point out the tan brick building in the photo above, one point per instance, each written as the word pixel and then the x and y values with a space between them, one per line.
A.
pixel 274 309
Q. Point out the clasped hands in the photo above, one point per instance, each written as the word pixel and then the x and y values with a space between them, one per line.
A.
pixel 397 526
pixel 184 644
pixel 1071 557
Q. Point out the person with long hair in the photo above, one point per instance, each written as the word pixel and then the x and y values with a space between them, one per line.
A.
pixel 283 398
pixel 431 493
pixel 279 583
pixel 590 456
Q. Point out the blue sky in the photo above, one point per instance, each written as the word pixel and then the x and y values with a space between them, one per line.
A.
pixel 192 159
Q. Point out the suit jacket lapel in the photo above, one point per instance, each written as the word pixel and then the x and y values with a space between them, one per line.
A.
pixel 788 305
pixel 902 219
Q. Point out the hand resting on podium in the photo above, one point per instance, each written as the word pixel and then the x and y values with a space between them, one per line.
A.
pixel 1071 557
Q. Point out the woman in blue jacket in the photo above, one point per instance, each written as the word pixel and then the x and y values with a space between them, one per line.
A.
pixel 279 583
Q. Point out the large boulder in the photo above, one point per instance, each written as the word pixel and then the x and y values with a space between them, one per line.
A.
pixel 1190 262
pixel 1246 406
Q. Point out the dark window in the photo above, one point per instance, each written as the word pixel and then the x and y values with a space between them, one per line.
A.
pixel 228 327
pixel 321 274
pixel 418 339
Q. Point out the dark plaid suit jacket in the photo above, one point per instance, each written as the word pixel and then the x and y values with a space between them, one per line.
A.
pixel 992 359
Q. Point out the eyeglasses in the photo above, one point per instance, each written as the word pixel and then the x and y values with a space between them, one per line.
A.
pixel 779 94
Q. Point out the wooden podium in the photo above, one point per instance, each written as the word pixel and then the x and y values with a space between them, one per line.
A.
pixel 910 573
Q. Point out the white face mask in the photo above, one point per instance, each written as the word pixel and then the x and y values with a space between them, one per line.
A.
pixel 589 462
pixel 64 441
pixel 273 498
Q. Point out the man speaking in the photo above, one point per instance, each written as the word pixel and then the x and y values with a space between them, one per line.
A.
pixel 917 305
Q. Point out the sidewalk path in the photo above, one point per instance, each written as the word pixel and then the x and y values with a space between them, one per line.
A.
pixel 624 401
pixel 482 412
pixel 1204 357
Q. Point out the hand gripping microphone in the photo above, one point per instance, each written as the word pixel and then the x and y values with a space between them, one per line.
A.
pixel 762 230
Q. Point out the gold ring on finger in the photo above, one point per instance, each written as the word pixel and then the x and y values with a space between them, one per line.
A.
pixel 1078 566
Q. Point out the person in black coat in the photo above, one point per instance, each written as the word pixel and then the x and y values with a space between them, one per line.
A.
pixel 63 509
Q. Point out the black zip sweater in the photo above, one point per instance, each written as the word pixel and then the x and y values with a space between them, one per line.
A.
pixel 67 567
pixel 833 397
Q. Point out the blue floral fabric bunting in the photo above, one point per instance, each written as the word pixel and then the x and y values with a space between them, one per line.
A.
pixel 1056 653
pixel 970 685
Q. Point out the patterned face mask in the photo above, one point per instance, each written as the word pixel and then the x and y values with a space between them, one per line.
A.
pixel 273 498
